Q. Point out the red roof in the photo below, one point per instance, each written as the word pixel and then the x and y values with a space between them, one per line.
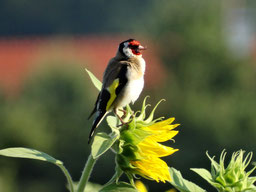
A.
pixel 19 55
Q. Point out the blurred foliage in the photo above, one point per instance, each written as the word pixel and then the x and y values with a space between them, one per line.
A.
pixel 209 90
pixel 50 115
pixel 26 17
pixel 212 90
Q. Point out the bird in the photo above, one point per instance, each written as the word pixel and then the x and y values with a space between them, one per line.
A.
pixel 123 82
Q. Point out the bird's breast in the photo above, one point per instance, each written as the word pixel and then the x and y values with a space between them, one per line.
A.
pixel 134 88
pixel 134 85
pixel 131 92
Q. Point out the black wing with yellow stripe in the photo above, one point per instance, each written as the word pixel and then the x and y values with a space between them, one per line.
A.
pixel 107 97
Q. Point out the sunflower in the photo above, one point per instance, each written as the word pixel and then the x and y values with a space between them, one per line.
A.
pixel 142 149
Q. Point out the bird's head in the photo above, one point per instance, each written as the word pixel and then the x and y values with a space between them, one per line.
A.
pixel 131 48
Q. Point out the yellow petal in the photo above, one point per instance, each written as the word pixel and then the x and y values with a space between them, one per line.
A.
pixel 162 123
pixel 172 190
pixel 140 186
pixel 163 136
pixel 147 147
pixel 168 127
pixel 153 168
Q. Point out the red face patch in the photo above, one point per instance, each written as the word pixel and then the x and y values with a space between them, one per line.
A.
pixel 134 46
pixel 134 43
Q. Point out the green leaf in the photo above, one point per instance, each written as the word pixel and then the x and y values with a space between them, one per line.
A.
pixel 182 184
pixel 27 153
pixel 112 122
pixel 92 187
pixel 119 187
pixel 207 176
pixel 20 152
pixel 203 173
pixel 102 142
pixel 94 79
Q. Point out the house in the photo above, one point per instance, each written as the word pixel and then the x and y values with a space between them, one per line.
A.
pixel 19 56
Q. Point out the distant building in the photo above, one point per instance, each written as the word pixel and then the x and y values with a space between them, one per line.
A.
pixel 18 57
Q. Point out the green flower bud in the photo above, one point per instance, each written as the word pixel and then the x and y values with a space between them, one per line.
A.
pixel 233 178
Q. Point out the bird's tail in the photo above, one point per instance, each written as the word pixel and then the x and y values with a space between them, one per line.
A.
pixel 99 117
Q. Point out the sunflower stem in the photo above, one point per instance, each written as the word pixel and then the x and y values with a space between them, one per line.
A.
pixel 86 173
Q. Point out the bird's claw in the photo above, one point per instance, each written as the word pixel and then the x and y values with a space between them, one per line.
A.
pixel 124 112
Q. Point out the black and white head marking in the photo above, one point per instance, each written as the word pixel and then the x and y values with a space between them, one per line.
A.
pixel 124 48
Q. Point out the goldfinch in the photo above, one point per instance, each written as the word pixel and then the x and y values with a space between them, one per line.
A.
pixel 123 81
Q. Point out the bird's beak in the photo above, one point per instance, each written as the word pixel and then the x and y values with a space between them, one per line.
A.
pixel 142 48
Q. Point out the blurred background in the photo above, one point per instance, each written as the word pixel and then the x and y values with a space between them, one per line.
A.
pixel 201 58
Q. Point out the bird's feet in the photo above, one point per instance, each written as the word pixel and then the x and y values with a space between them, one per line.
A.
pixel 122 121
pixel 124 112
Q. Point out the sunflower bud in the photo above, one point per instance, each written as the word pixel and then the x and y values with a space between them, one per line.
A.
pixel 233 178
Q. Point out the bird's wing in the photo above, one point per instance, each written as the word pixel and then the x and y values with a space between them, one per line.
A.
pixel 115 79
